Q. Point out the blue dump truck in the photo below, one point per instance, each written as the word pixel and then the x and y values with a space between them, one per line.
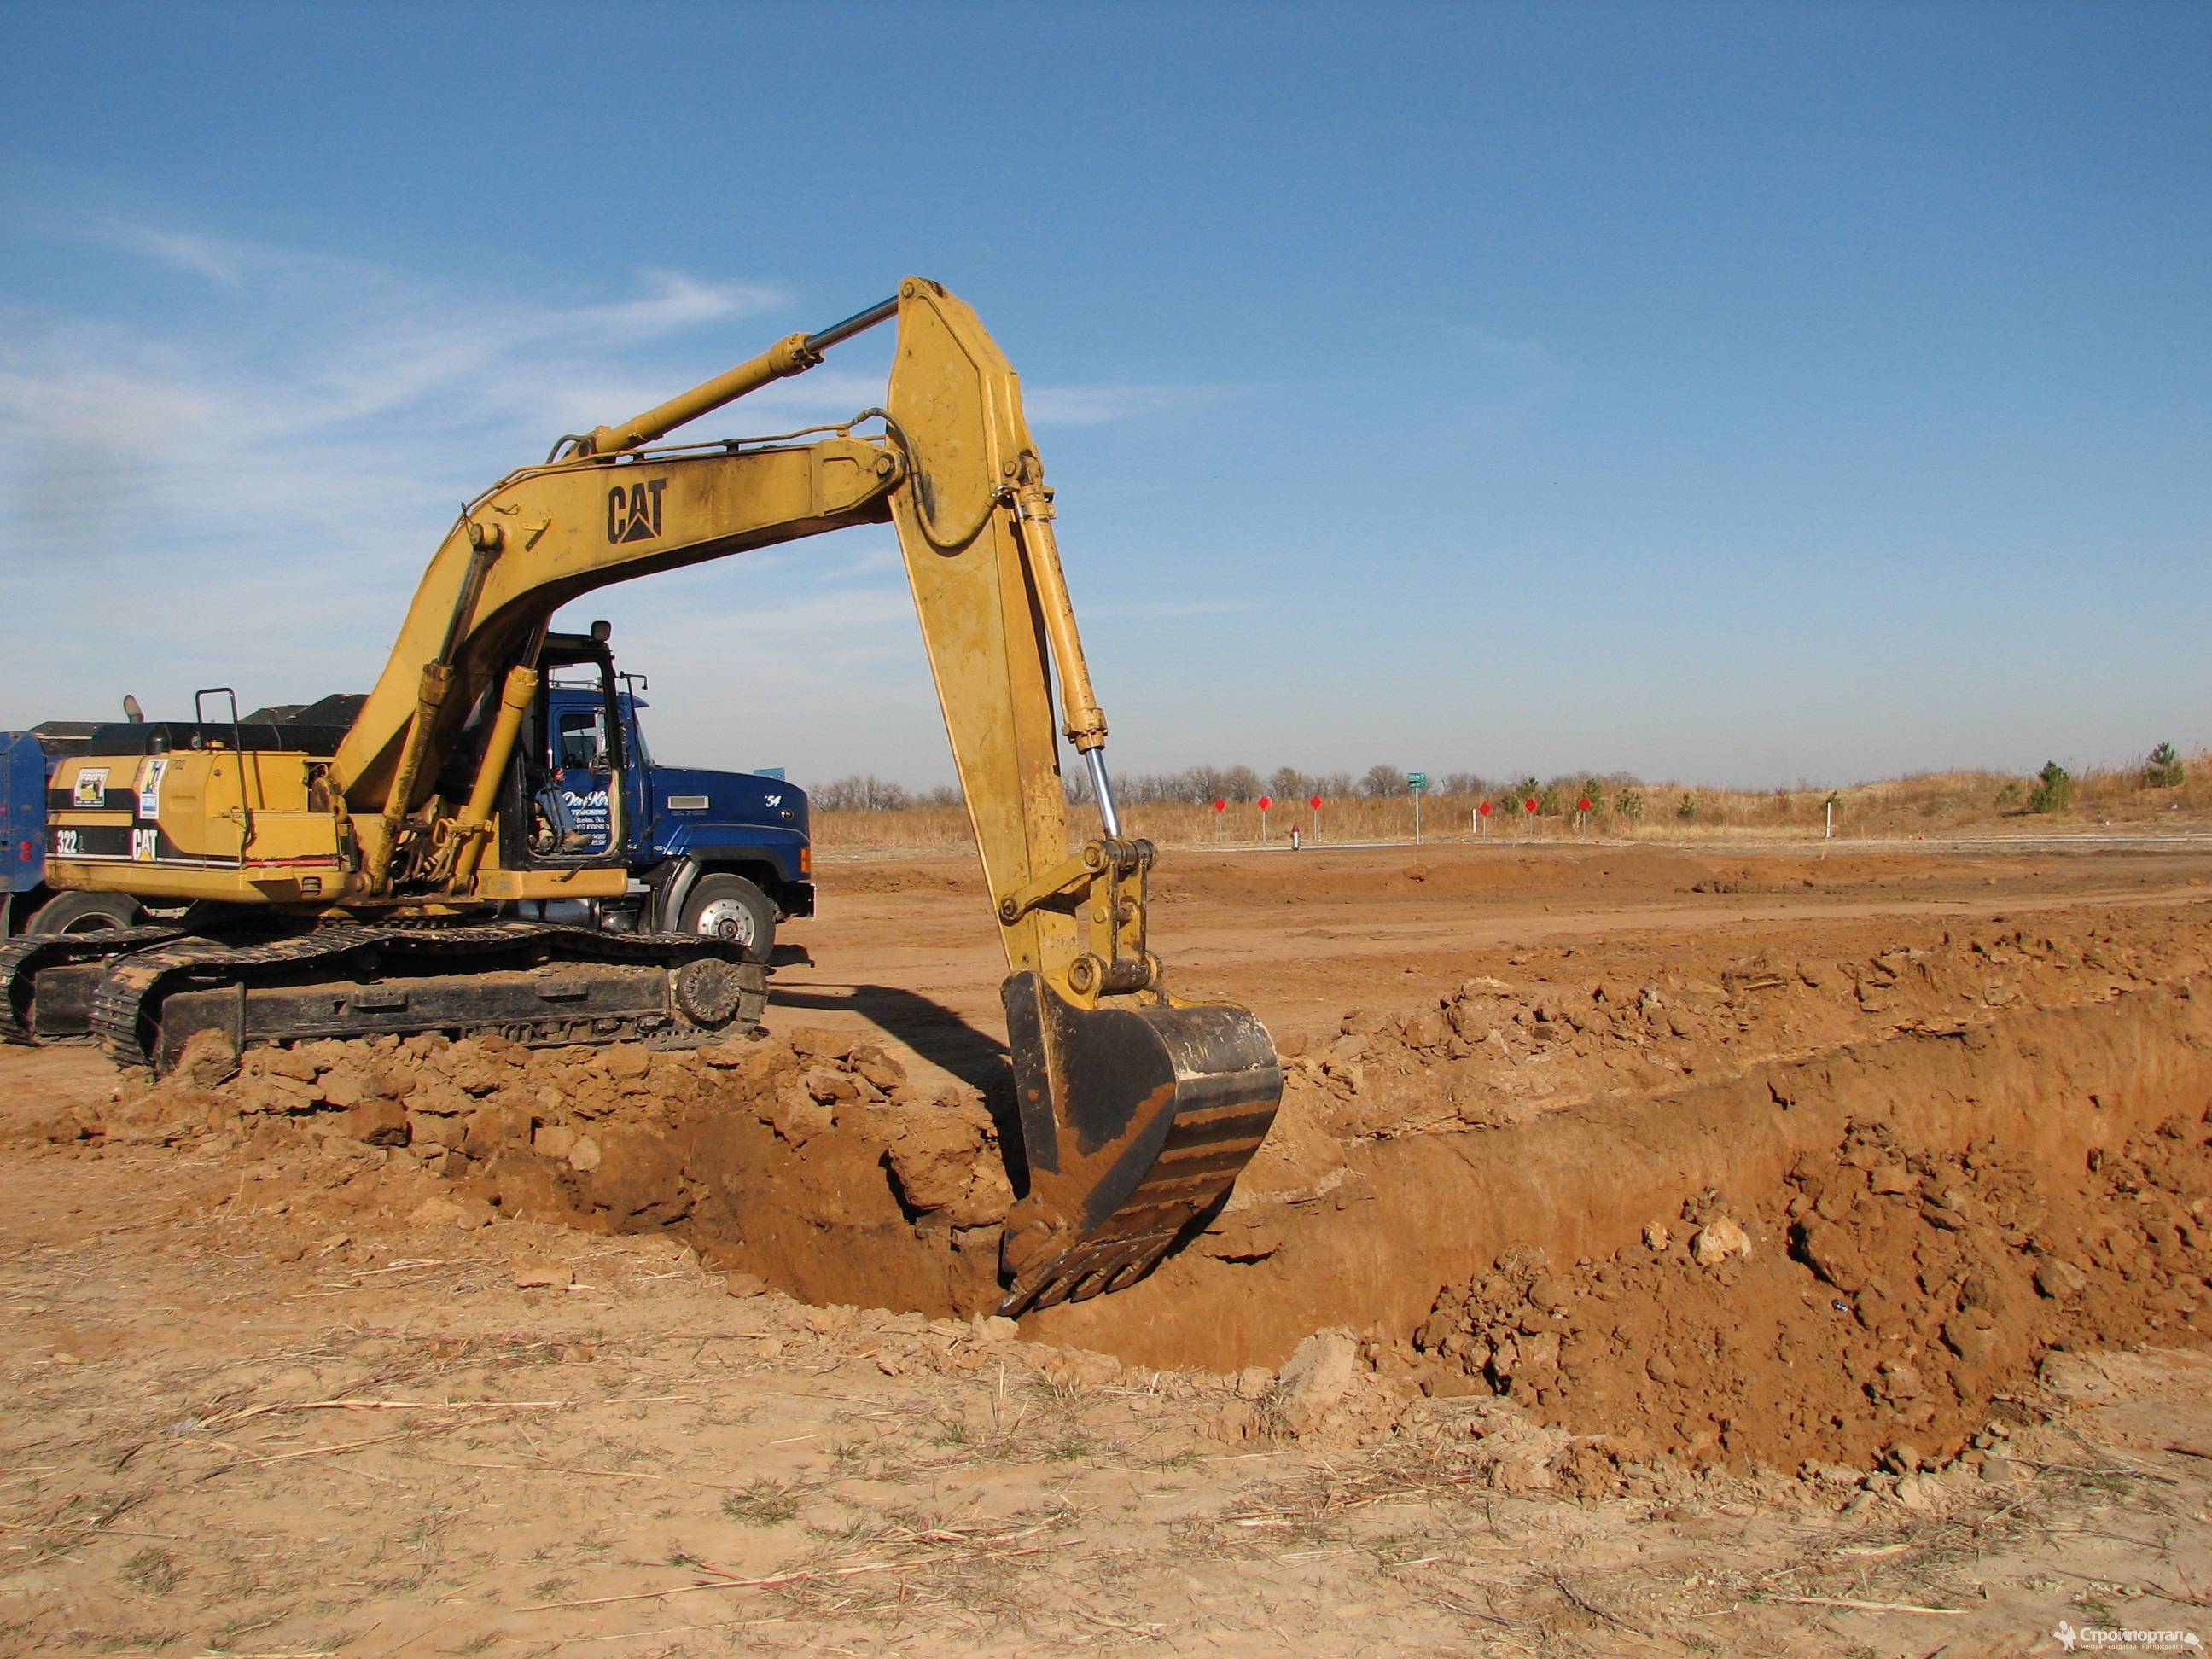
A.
pixel 723 854
pixel 27 760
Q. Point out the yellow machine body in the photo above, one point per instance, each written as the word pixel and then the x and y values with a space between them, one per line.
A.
pixel 1137 1110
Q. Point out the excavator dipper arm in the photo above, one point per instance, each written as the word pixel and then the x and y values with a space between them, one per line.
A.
pixel 1137 1111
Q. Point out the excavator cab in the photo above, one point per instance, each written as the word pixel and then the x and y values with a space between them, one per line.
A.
pixel 572 754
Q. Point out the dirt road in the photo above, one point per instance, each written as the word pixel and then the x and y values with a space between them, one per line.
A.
pixel 1657 1251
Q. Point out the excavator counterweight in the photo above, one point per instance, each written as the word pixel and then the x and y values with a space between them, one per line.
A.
pixel 368 881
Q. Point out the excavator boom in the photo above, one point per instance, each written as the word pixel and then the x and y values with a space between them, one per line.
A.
pixel 1136 1109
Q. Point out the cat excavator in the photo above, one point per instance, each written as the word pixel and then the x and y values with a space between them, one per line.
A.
pixel 392 875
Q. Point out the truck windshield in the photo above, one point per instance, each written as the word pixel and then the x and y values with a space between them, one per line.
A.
pixel 581 743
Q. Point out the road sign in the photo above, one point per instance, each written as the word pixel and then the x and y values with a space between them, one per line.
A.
pixel 1584 805
pixel 1314 802
pixel 1529 807
pixel 1265 801
pixel 1417 780
pixel 1220 805
pixel 1484 809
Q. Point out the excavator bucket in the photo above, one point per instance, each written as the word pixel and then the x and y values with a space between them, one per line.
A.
pixel 1135 1119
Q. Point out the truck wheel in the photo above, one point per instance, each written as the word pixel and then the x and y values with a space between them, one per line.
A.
pixel 731 908
pixel 86 912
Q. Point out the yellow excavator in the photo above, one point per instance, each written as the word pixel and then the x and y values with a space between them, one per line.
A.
pixel 392 875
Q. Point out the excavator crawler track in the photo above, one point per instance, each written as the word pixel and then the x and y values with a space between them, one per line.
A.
pixel 23 960
pixel 532 982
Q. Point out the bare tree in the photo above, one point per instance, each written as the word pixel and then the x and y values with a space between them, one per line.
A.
pixel 1382 781
pixel 859 794
pixel 1241 783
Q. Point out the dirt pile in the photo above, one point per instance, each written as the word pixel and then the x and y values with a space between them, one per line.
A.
pixel 1879 1301
pixel 1575 1023
pixel 1759 1209
pixel 1949 1181
pixel 808 1159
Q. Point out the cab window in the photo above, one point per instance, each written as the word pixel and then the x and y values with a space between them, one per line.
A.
pixel 579 741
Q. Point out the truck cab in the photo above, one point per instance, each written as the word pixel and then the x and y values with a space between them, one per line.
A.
pixel 28 904
pixel 723 854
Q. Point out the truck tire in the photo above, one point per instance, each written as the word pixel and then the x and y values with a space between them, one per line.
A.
pixel 732 908
pixel 86 912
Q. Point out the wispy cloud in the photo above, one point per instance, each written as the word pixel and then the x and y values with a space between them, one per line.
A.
pixel 1164 609
pixel 287 456
pixel 239 483
pixel 1509 372
pixel 217 258
pixel 1098 405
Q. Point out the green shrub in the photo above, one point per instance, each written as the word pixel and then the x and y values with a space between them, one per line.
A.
pixel 1686 808
pixel 2165 770
pixel 2053 791
pixel 1629 804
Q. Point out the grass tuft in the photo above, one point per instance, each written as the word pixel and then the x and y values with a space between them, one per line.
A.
pixel 155 1571
pixel 763 1503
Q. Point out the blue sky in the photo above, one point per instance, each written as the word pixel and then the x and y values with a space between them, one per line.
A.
pixel 1737 393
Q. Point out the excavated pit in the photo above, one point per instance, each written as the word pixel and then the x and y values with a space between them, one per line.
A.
pixel 1800 1212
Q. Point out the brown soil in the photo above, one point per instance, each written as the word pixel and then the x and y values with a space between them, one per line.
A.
pixel 1660 1183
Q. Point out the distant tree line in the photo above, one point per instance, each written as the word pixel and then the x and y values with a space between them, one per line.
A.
pixel 870 794
pixel 1200 785
pixel 1616 794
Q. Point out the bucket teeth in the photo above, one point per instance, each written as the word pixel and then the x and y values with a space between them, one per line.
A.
pixel 1136 1121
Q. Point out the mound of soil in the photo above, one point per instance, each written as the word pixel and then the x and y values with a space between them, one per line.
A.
pixel 808 1159
pixel 1495 1051
pixel 1880 1302
pixel 1762 1210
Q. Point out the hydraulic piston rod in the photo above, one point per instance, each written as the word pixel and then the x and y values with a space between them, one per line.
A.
pixel 858 322
pixel 794 354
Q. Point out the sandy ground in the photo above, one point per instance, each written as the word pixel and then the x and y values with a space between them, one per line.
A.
pixel 1740 1253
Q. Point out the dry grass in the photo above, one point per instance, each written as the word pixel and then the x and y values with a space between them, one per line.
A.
pixel 1920 804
